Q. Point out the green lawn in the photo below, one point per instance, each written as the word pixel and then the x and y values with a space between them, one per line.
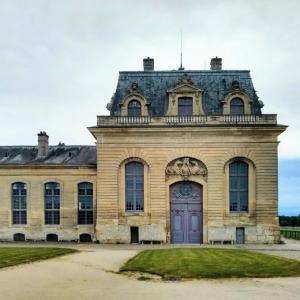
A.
pixel 211 263
pixel 10 256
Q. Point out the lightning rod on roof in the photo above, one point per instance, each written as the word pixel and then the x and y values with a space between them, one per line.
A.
pixel 181 67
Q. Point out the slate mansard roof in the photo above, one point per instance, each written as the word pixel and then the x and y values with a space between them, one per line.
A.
pixel 57 155
pixel 154 85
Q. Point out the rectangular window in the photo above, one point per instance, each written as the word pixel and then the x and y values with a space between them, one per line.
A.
pixel 52 203
pixel 85 203
pixel 19 203
pixel 238 186
pixel 185 106
pixel 134 186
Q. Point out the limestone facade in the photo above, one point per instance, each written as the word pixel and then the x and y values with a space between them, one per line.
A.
pixel 196 147
pixel 35 179
pixel 215 148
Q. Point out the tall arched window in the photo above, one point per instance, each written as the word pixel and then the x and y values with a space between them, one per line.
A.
pixel 134 108
pixel 19 203
pixel 52 203
pixel 85 203
pixel 238 186
pixel 237 106
pixel 134 185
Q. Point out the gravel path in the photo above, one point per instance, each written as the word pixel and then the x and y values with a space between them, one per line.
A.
pixel 87 275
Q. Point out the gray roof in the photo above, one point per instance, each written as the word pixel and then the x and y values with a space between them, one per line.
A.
pixel 154 85
pixel 57 155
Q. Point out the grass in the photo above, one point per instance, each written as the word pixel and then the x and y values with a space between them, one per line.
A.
pixel 211 263
pixel 11 256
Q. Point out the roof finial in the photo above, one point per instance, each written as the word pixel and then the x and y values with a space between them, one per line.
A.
pixel 181 67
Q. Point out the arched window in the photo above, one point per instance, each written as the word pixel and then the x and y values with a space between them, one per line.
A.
pixel 185 106
pixel 19 203
pixel 134 185
pixel 134 108
pixel 85 203
pixel 237 106
pixel 238 186
pixel 52 203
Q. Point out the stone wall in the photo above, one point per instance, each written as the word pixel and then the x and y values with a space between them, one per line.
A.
pixel 215 147
pixel 35 178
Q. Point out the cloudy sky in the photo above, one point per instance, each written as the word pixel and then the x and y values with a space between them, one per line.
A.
pixel 59 62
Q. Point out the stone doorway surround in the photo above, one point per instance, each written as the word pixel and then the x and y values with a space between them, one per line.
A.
pixel 186 213
pixel 187 169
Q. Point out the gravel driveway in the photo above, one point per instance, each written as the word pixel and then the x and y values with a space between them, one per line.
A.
pixel 87 275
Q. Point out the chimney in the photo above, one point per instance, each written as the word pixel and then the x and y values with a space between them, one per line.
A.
pixel 216 64
pixel 43 142
pixel 148 64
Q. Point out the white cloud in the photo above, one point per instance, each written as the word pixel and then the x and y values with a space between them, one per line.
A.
pixel 60 59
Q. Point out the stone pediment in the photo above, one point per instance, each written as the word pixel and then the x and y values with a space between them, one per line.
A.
pixel 185 85
pixel 185 167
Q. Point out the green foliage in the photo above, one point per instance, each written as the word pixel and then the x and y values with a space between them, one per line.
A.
pixel 289 221
pixel 10 256
pixel 211 263
pixel 291 234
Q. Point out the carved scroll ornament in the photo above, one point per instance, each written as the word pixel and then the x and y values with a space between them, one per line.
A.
pixel 186 167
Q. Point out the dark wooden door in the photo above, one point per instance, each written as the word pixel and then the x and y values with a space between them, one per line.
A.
pixel 134 235
pixel 186 212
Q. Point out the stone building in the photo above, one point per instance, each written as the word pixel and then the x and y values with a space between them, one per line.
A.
pixel 184 157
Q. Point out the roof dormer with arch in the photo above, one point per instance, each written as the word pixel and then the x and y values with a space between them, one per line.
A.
pixel 155 88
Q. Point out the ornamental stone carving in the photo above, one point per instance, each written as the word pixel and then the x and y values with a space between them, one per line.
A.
pixel 185 167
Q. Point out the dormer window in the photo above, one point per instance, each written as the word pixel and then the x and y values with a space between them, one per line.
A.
pixel 185 106
pixel 185 98
pixel 134 108
pixel 237 106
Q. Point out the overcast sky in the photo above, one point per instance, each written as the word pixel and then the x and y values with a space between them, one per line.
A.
pixel 59 60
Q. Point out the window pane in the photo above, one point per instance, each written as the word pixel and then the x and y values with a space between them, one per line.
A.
pixel 48 217
pixel 244 183
pixel 134 108
pixel 16 203
pixel 233 169
pixel 134 186
pixel 129 183
pixel 52 203
pixel 185 106
pixel 89 217
pixel 56 217
pixel 55 201
pixel 238 186
pixel 23 217
pixel 233 182
pixel 19 199
pixel 237 106
pixel 85 203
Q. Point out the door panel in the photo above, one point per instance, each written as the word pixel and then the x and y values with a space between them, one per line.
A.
pixel 178 223
pixel 186 212
pixel 194 221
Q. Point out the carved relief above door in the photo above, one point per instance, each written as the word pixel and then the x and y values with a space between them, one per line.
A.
pixel 185 167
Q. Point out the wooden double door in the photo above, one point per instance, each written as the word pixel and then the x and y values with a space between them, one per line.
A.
pixel 186 213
